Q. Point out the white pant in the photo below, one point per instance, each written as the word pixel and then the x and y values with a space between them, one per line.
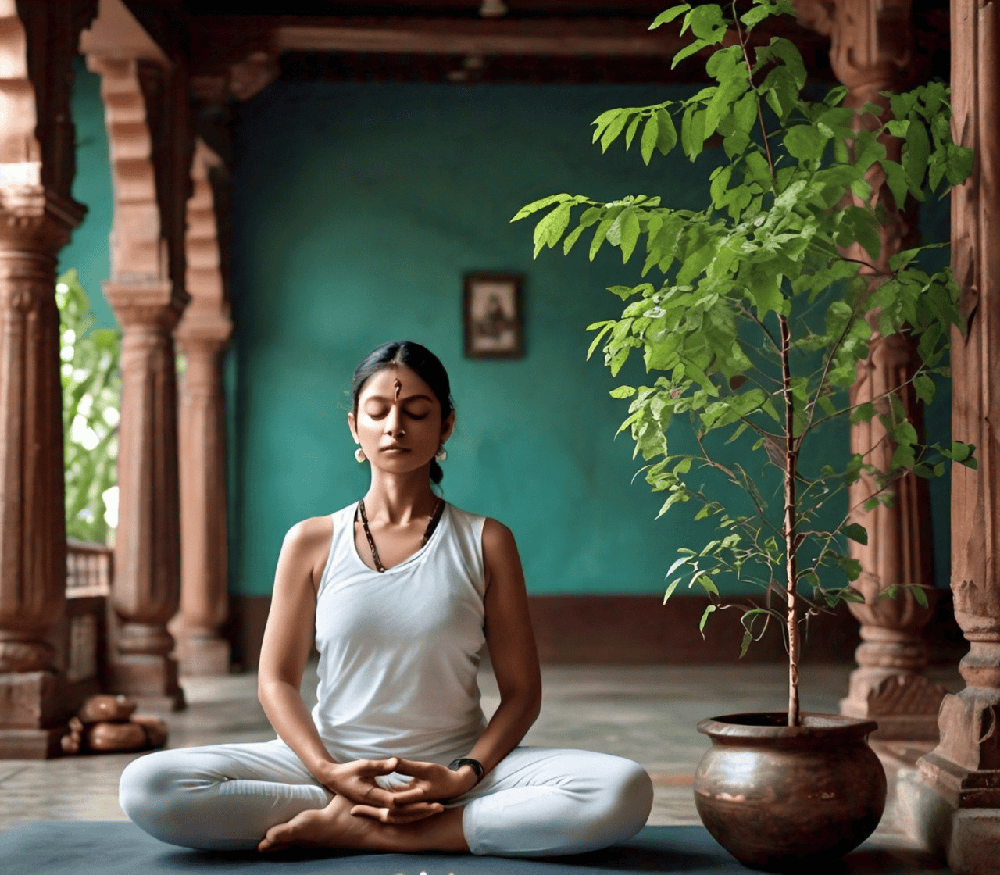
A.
pixel 537 801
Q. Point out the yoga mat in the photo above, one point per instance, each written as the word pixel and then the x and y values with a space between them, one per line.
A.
pixel 121 848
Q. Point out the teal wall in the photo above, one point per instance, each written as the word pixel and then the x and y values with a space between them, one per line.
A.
pixel 358 208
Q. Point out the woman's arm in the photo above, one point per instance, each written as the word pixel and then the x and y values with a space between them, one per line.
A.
pixel 288 640
pixel 511 643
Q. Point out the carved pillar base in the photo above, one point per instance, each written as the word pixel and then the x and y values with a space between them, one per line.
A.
pixel 150 680
pixel 201 654
pixel 35 710
pixel 888 687
pixel 947 803
pixel 905 706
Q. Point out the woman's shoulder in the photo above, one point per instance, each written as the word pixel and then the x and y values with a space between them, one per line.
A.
pixel 490 527
pixel 307 545
pixel 311 533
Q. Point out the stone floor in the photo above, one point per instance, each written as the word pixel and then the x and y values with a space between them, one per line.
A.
pixel 646 713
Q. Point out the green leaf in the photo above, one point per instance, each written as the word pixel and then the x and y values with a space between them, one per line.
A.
pixel 755 16
pixel 707 23
pixel 895 179
pixel 650 135
pixel 959 163
pixel 614 128
pixel 709 610
pixel 758 169
pixel 669 15
pixel 805 143
pixel 687 51
pixel 622 392
pixel 856 532
pixel 629 234
pixel 693 132
pixel 785 49
pixel 667 136
pixel 630 132
pixel 852 568
pixel 588 218
pixel 535 206
pixel 923 387
pixel 863 413
pixel 745 112
pixel 551 227
pixel 720 182
pixel 916 151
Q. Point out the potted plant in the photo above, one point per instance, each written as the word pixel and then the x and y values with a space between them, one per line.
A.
pixel 757 313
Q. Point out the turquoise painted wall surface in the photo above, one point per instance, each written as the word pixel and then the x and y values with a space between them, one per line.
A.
pixel 358 209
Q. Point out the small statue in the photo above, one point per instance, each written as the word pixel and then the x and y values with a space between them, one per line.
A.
pixel 108 724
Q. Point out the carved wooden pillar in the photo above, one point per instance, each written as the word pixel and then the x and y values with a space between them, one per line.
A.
pixel 202 337
pixel 37 214
pixel 952 803
pixel 145 109
pixel 872 51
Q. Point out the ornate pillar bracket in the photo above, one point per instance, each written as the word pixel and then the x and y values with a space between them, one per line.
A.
pixel 952 802
pixel 871 52
pixel 37 215
pixel 202 337
pixel 146 114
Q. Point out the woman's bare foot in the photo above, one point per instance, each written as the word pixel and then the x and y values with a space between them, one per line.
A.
pixel 335 827
pixel 330 827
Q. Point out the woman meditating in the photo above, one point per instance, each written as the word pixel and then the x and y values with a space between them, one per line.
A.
pixel 402 590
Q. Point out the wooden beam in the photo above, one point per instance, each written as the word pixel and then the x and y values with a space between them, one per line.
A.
pixel 616 37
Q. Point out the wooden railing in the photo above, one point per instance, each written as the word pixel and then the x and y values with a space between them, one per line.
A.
pixel 89 568
pixel 82 639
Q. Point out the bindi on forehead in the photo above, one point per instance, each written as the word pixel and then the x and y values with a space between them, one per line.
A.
pixel 397 386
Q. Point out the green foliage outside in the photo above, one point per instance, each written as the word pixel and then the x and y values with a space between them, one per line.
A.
pixel 91 385
pixel 754 318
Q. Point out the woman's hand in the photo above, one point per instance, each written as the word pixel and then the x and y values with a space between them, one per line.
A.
pixel 429 784
pixel 355 781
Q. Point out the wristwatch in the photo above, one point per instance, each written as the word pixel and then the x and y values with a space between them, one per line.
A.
pixel 477 767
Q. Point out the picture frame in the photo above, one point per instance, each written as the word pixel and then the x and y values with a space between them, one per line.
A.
pixel 492 315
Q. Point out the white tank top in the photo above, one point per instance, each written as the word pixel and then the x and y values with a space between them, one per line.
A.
pixel 399 650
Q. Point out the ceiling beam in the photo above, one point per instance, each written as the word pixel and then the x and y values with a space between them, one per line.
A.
pixel 614 37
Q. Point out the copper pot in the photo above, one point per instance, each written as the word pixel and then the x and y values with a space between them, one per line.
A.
pixel 779 797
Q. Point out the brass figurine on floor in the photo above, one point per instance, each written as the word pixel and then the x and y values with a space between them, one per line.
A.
pixel 108 724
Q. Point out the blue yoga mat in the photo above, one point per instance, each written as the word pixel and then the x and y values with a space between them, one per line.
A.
pixel 120 848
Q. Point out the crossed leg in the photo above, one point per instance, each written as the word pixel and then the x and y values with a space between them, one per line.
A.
pixel 538 801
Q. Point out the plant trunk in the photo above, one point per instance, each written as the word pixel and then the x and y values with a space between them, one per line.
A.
pixel 791 573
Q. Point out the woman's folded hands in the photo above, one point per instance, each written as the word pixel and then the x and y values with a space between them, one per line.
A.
pixel 430 784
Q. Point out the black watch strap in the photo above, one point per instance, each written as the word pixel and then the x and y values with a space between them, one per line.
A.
pixel 477 766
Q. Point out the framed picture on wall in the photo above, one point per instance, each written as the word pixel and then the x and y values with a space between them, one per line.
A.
pixel 492 316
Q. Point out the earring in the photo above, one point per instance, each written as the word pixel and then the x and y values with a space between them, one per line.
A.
pixel 359 455
pixel 441 454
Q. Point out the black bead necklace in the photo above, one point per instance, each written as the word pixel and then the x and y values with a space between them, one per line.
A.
pixel 431 525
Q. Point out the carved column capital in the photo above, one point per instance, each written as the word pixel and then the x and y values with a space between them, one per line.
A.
pixel 145 303
pixel 872 47
pixel 33 217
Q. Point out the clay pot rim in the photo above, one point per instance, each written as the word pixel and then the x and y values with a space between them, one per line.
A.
pixel 760 725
